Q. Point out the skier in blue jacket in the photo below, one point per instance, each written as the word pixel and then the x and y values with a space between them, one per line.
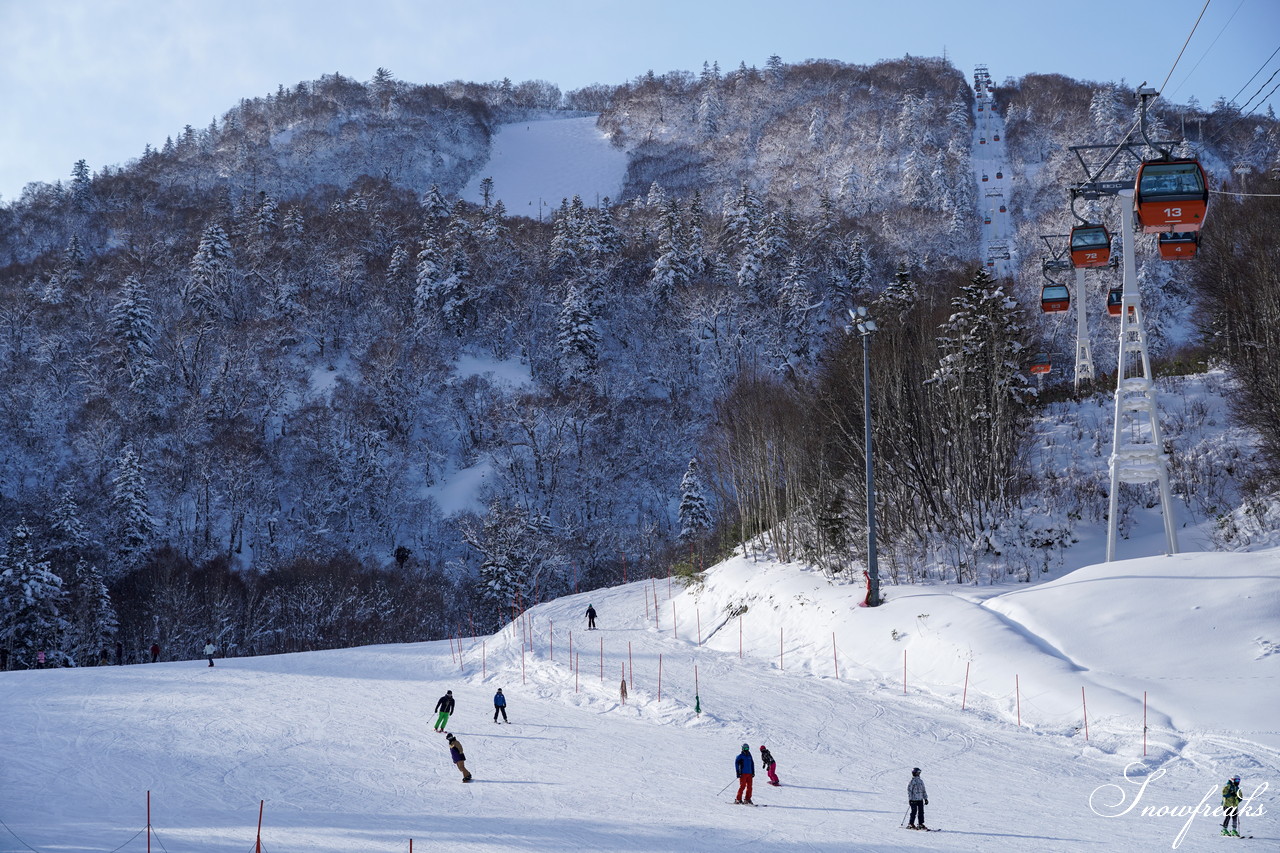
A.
pixel 500 706
pixel 745 766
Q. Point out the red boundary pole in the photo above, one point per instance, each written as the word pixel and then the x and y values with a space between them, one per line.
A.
pixel 258 844
pixel 965 697
pixel 148 822
pixel 674 634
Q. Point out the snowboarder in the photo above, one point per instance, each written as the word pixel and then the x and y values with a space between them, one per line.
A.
pixel 209 650
pixel 445 706
pixel 745 766
pixel 917 799
pixel 1231 806
pixel 767 762
pixel 500 706
pixel 155 652
pixel 458 756
pixel 591 618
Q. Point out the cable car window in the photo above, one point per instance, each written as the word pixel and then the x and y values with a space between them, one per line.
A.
pixel 1171 179
pixel 1084 236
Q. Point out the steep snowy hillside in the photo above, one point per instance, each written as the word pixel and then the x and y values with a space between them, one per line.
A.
pixel 338 744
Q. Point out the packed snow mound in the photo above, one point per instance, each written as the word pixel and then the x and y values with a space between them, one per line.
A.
pixel 537 164
pixel 1200 631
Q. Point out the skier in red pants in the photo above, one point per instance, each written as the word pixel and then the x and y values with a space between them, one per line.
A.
pixel 745 766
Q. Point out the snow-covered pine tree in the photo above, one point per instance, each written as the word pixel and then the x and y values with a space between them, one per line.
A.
pixel 984 400
pixel 210 271
pixel 135 525
pixel 31 604
pixel 91 617
pixel 670 271
pixel 132 323
pixel 695 513
pixel 578 338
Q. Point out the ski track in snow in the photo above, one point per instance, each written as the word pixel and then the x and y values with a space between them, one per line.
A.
pixel 339 745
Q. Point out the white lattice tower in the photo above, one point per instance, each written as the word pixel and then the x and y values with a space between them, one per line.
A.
pixel 1137 447
pixel 1084 356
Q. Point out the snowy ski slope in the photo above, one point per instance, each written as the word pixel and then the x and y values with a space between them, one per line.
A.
pixel 339 743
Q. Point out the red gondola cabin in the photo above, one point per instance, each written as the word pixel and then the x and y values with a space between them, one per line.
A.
pixel 1170 196
pixel 1090 246
pixel 1055 299
pixel 1179 247
pixel 1115 301
pixel 1040 364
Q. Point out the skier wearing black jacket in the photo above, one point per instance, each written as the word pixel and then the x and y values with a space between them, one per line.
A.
pixel 445 706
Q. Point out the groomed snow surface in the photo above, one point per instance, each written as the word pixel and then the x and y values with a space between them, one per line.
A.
pixel 339 744
pixel 537 164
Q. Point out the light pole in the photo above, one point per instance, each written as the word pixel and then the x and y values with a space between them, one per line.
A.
pixel 865 326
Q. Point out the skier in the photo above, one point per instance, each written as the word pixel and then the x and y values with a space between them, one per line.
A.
pixel 500 706
pixel 623 691
pixel 445 706
pixel 767 762
pixel 209 650
pixel 459 758
pixel 917 799
pixel 1231 806
pixel 591 618
pixel 745 767
pixel 155 652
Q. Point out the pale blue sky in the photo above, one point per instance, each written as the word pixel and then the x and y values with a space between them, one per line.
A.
pixel 99 79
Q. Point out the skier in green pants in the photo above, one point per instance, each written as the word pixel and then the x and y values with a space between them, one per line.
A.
pixel 445 707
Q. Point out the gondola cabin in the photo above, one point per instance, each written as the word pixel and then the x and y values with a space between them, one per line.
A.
pixel 984 177
pixel 999 175
pixel 1055 299
pixel 1179 247
pixel 1090 246
pixel 1115 301
pixel 1170 196
pixel 986 219
pixel 1002 208
pixel 1040 364
pixel 995 137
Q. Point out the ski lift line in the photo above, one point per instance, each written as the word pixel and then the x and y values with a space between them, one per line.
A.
pixel 1255 74
pixel 1209 48
pixel 1137 124
pixel 1243 115
pixel 1194 26
pixel 1245 195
